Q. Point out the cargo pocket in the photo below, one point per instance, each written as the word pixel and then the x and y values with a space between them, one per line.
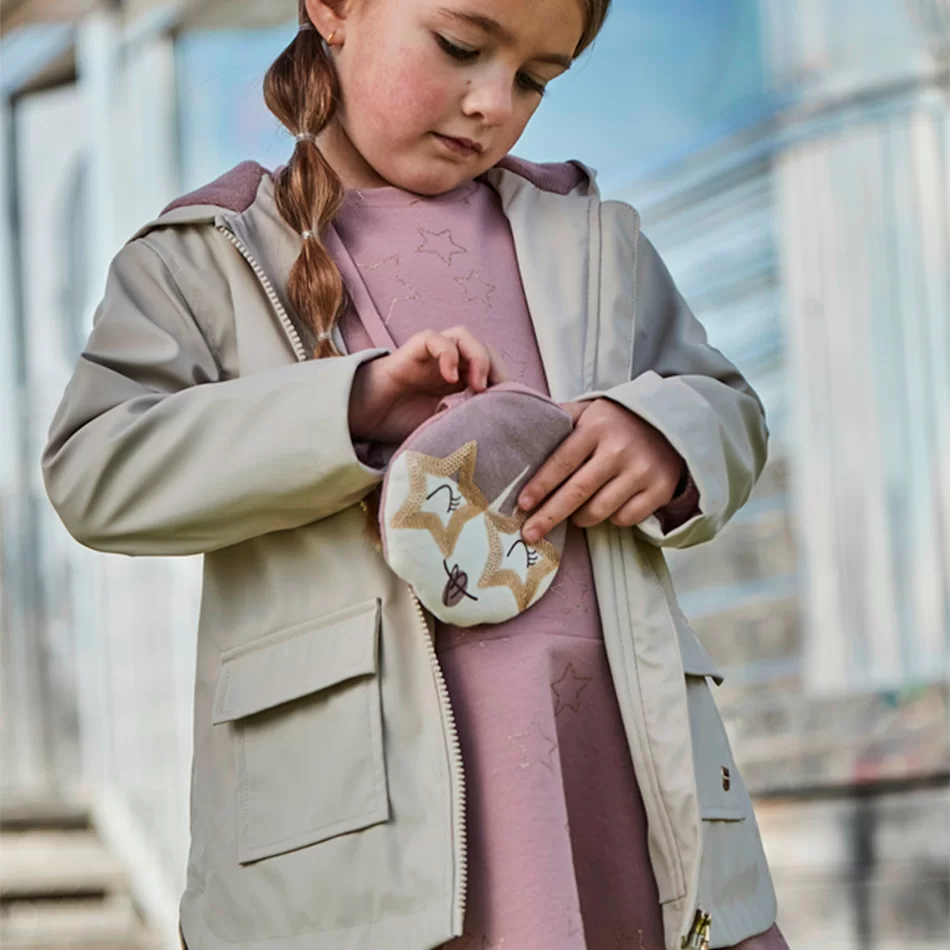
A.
pixel 303 706
pixel 722 794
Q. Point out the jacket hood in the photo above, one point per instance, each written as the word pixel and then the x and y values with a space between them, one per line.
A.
pixel 234 192
pixel 242 203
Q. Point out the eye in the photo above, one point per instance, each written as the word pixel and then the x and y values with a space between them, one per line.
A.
pixel 531 555
pixel 454 500
pixel 531 85
pixel 456 52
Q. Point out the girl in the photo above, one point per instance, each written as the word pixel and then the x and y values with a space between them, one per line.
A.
pixel 230 402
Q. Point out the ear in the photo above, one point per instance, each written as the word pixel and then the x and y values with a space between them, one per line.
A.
pixel 326 15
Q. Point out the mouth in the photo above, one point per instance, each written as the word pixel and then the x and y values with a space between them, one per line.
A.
pixel 464 147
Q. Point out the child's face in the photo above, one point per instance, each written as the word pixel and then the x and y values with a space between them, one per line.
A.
pixel 404 90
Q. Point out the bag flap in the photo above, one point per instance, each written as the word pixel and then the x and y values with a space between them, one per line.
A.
pixel 297 661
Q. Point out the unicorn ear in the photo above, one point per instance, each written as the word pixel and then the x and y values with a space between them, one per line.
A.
pixel 505 492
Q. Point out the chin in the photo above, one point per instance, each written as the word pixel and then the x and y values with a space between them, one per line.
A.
pixel 431 177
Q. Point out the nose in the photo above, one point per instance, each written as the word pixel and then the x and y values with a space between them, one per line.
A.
pixel 490 98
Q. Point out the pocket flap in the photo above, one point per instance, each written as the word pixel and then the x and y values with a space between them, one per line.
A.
pixel 296 661
pixel 696 660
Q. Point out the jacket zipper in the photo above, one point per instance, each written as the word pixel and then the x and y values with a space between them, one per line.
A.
pixel 698 936
pixel 456 770
pixel 456 765
pixel 285 321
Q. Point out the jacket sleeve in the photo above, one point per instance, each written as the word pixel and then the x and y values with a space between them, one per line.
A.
pixel 152 451
pixel 701 403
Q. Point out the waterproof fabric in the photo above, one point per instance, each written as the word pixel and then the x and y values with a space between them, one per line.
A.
pixel 195 423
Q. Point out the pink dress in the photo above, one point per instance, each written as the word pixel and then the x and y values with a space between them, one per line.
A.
pixel 556 826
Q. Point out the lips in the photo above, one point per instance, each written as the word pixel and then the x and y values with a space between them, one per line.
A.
pixel 460 145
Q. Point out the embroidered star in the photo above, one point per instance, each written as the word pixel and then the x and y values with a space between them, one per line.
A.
pixel 567 690
pixel 440 243
pixel 460 463
pixel 517 366
pixel 572 917
pixel 574 599
pixel 471 284
pixel 540 558
pixel 536 747
pixel 389 268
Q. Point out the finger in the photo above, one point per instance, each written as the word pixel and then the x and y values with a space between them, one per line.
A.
pixel 607 502
pixel 574 493
pixel 474 354
pixel 575 409
pixel 560 465
pixel 445 351
pixel 637 509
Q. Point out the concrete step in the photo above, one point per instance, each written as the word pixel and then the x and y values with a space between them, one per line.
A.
pixel 60 888
pixel 78 923
pixel 46 864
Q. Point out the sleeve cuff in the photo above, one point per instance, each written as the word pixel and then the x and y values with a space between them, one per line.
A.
pixel 683 506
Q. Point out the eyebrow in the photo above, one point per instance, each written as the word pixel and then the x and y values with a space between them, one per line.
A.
pixel 494 28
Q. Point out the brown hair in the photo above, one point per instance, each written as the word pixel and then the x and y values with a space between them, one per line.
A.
pixel 301 88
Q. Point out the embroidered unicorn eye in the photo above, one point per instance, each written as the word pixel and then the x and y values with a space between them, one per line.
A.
pixel 531 555
pixel 454 500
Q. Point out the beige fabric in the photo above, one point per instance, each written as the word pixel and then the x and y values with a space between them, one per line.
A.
pixel 327 795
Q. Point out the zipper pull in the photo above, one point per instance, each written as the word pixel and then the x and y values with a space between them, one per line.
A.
pixel 698 936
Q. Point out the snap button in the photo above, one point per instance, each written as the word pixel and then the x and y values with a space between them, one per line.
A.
pixel 726 779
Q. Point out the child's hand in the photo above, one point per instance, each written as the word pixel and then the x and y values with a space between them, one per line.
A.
pixel 394 394
pixel 613 465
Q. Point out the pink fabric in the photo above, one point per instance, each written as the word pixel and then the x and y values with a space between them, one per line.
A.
pixel 556 826
pixel 235 189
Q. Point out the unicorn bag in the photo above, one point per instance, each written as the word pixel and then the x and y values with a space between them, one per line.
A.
pixel 448 514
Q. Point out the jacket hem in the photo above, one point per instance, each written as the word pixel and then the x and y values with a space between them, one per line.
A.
pixel 427 929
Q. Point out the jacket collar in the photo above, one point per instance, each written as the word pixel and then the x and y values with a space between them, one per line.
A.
pixel 543 203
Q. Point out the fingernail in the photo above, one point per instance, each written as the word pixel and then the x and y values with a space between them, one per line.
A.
pixel 531 534
pixel 526 502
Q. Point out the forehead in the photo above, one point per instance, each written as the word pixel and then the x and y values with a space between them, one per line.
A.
pixel 530 26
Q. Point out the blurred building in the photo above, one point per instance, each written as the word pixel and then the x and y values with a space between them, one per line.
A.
pixel 791 160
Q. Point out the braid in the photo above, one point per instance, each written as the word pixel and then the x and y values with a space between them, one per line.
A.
pixel 301 88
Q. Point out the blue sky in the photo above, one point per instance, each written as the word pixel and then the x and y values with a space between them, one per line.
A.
pixel 663 73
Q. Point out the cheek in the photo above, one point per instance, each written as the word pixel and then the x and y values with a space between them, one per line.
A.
pixel 404 88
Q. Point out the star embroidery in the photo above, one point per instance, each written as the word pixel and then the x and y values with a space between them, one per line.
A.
pixel 517 366
pixel 389 268
pixel 567 690
pixel 541 558
pixel 572 917
pixel 410 515
pixel 536 747
pixel 440 243
pixel 470 286
pixel 571 601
